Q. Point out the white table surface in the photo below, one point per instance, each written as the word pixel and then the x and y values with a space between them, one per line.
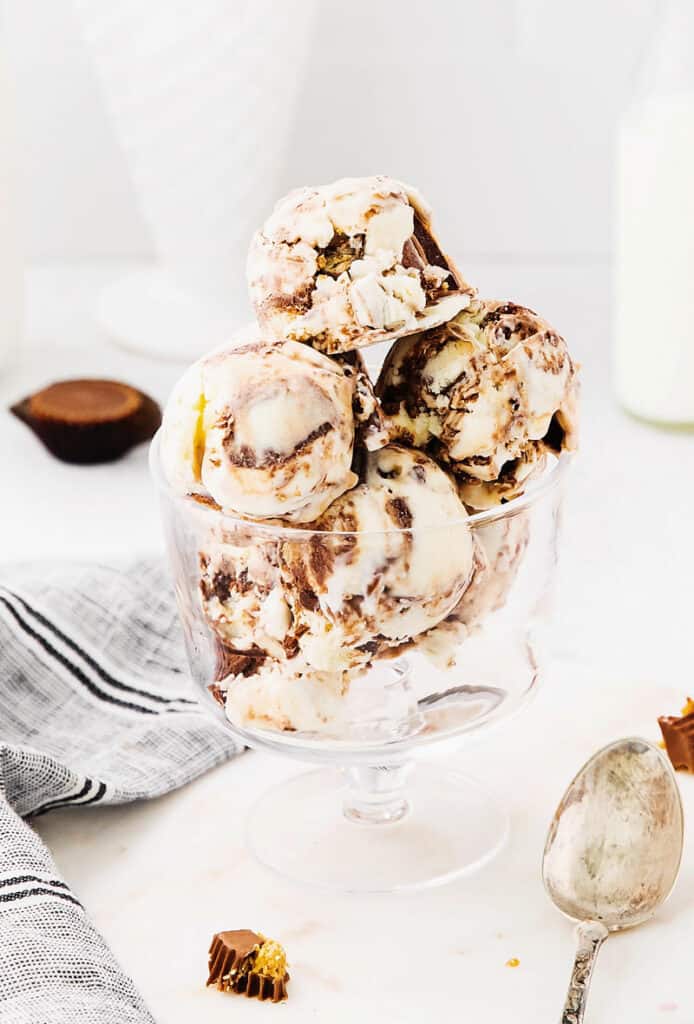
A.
pixel 160 878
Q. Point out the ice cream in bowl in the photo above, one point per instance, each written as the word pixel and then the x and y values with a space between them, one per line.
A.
pixel 363 557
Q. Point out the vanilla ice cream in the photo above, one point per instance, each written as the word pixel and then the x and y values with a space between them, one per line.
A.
pixel 348 264
pixel 488 393
pixel 278 697
pixel 264 429
pixel 345 533
pixel 395 559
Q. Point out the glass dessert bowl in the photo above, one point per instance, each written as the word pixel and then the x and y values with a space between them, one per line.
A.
pixel 295 636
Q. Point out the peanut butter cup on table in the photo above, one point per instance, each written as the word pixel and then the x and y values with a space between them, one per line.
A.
pixel 87 421
pixel 249 964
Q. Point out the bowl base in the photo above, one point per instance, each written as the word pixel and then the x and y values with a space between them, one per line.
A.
pixel 447 825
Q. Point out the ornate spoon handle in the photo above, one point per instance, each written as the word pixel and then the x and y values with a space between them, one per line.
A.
pixel 590 935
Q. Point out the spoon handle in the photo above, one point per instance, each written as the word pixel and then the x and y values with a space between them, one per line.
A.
pixel 590 935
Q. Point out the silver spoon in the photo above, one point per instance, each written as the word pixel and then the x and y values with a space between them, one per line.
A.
pixel 613 851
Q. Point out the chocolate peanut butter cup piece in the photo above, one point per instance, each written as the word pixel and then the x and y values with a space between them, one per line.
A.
pixel 89 421
pixel 230 661
pixel 248 963
pixel 678 737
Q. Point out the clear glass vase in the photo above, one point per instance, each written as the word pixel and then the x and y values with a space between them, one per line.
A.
pixel 380 813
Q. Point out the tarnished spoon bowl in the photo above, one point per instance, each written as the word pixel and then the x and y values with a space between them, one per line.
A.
pixel 613 850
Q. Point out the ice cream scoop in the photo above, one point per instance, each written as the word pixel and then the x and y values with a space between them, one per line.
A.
pixel 389 560
pixel 351 263
pixel 488 393
pixel 265 429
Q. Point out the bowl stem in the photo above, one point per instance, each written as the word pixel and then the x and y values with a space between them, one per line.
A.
pixel 376 794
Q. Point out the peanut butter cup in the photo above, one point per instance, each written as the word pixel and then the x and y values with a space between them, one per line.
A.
pixel 246 962
pixel 678 737
pixel 89 421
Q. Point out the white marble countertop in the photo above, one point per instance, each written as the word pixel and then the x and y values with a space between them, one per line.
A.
pixel 160 878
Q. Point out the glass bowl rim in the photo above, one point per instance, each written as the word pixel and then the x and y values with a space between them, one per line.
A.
pixel 545 483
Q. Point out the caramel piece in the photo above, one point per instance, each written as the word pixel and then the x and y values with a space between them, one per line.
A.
pixel 89 421
pixel 246 962
pixel 678 736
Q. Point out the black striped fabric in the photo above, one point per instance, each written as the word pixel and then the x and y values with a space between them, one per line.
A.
pixel 96 707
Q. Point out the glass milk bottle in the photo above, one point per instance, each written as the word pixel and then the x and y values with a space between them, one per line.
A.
pixel 654 244
pixel 11 277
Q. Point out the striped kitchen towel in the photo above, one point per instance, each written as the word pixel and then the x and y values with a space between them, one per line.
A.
pixel 96 707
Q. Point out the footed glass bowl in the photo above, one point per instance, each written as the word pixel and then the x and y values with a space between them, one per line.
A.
pixel 304 635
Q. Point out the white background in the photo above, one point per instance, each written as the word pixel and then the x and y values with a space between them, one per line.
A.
pixel 501 111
